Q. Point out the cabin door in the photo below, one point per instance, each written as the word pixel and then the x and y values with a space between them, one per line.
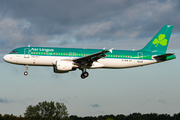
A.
pixel 140 57
pixel 26 52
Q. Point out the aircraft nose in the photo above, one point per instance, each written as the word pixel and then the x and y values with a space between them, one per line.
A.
pixel 5 58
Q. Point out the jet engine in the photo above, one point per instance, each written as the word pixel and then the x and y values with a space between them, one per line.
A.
pixel 63 67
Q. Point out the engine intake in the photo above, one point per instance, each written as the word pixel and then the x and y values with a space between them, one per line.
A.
pixel 63 66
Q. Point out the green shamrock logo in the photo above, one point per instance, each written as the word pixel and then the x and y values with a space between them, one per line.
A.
pixel 160 40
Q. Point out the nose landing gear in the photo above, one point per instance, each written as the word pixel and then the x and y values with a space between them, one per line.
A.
pixel 26 73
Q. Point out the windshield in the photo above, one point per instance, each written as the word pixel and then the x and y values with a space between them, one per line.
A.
pixel 14 52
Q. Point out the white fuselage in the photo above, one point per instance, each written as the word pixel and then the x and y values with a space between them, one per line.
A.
pixel 115 63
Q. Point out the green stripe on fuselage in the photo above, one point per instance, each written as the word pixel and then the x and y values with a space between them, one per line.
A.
pixel 80 52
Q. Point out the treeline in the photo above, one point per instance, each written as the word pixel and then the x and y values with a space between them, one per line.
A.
pixel 11 117
pixel 134 116
pixel 58 111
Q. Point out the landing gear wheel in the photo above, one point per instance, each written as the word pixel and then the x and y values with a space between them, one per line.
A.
pixel 25 73
pixel 82 76
pixel 86 74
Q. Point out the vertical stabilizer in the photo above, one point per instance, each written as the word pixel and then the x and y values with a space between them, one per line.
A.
pixel 160 41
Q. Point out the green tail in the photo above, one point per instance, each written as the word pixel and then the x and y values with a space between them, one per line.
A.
pixel 160 41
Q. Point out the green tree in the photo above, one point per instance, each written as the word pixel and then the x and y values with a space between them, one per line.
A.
pixel 47 110
pixel 120 117
pixel 109 119
pixel 176 116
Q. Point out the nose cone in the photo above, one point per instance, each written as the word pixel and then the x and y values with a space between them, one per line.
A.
pixel 9 58
pixel 6 58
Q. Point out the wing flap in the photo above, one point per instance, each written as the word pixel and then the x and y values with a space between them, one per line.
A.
pixel 93 57
pixel 87 61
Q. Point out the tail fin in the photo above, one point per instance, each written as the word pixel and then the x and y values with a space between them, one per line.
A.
pixel 160 41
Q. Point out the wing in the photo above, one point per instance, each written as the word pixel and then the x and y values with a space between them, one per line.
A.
pixel 89 59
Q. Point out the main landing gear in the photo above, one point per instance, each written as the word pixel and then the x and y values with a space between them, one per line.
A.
pixel 26 73
pixel 84 74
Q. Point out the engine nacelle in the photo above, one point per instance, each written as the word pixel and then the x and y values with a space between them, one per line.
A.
pixel 63 66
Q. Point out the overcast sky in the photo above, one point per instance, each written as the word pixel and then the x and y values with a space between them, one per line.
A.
pixel 119 24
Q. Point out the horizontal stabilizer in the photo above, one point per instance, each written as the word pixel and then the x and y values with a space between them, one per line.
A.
pixel 163 57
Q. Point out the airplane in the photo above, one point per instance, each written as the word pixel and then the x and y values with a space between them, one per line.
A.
pixel 64 60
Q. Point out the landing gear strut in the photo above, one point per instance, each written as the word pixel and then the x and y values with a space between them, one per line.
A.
pixel 84 74
pixel 26 73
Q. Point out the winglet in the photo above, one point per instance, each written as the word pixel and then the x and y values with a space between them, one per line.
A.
pixel 110 50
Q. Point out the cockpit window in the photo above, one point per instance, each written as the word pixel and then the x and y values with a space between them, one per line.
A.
pixel 14 52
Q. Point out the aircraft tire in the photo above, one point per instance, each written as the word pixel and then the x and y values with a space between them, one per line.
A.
pixel 25 73
pixel 82 76
pixel 86 74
